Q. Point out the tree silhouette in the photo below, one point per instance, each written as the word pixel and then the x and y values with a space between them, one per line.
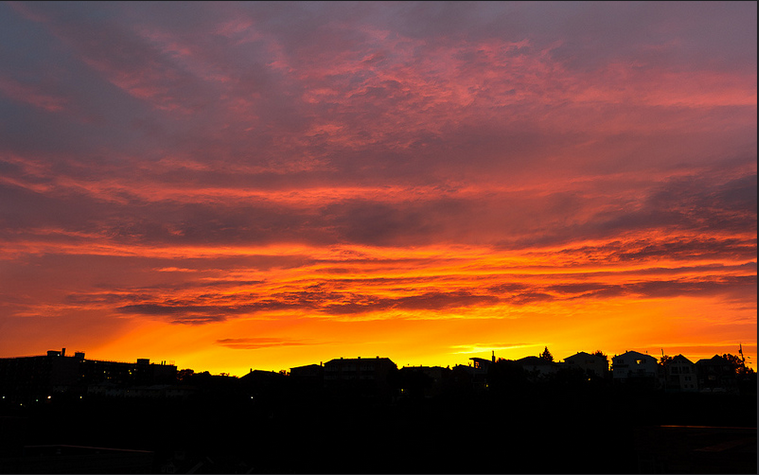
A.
pixel 546 355
pixel 602 355
pixel 738 363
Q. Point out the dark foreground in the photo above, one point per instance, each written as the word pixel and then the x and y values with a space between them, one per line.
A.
pixel 613 430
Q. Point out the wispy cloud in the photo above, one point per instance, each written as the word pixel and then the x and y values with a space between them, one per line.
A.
pixel 255 343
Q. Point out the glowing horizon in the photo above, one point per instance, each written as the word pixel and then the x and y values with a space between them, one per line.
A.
pixel 243 185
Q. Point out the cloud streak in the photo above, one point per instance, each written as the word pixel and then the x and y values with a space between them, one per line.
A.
pixel 257 343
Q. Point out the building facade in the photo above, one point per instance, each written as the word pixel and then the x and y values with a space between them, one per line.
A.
pixel 590 364
pixel 537 368
pixel 679 374
pixel 360 373
pixel 716 374
pixel 632 365
pixel 35 377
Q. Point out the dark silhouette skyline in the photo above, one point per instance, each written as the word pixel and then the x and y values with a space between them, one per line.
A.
pixel 41 376
pixel 366 415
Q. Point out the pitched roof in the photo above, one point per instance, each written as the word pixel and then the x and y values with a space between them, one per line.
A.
pixel 714 360
pixel 358 360
pixel 681 358
pixel 481 360
pixel 583 354
pixel 635 354
pixel 309 366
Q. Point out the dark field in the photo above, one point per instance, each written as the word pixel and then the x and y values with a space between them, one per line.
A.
pixel 541 430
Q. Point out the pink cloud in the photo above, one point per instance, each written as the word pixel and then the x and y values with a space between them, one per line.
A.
pixel 375 161
pixel 31 94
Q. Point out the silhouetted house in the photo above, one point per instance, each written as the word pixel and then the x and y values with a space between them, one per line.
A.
pixel 478 366
pixel 508 376
pixel 634 366
pixel 679 374
pixel 258 382
pixel 537 368
pixel 359 373
pixel 310 375
pixel 590 364
pixel 421 381
pixel 259 377
pixel 435 373
pixel 206 385
pixel 463 378
pixel 716 374
pixel 477 371
pixel 482 363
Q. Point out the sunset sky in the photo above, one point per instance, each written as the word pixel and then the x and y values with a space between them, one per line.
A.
pixel 266 185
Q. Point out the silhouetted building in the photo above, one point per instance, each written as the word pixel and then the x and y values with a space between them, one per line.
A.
pixel 537 368
pixel 435 373
pixel 307 378
pixel 366 373
pixel 422 381
pixel 716 374
pixel 205 384
pixel 482 363
pixel 679 374
pixel 34 377
pixel 590 364
pixel 632 365
pixel 477 371
pixel 121 373
pixel 258 382
pixel 308 373
pixel 478 366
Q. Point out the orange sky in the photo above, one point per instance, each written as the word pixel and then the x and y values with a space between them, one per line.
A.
pixel 235 186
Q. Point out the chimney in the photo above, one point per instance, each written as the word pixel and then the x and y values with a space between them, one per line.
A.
pixel 63 352
pixel 493 356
